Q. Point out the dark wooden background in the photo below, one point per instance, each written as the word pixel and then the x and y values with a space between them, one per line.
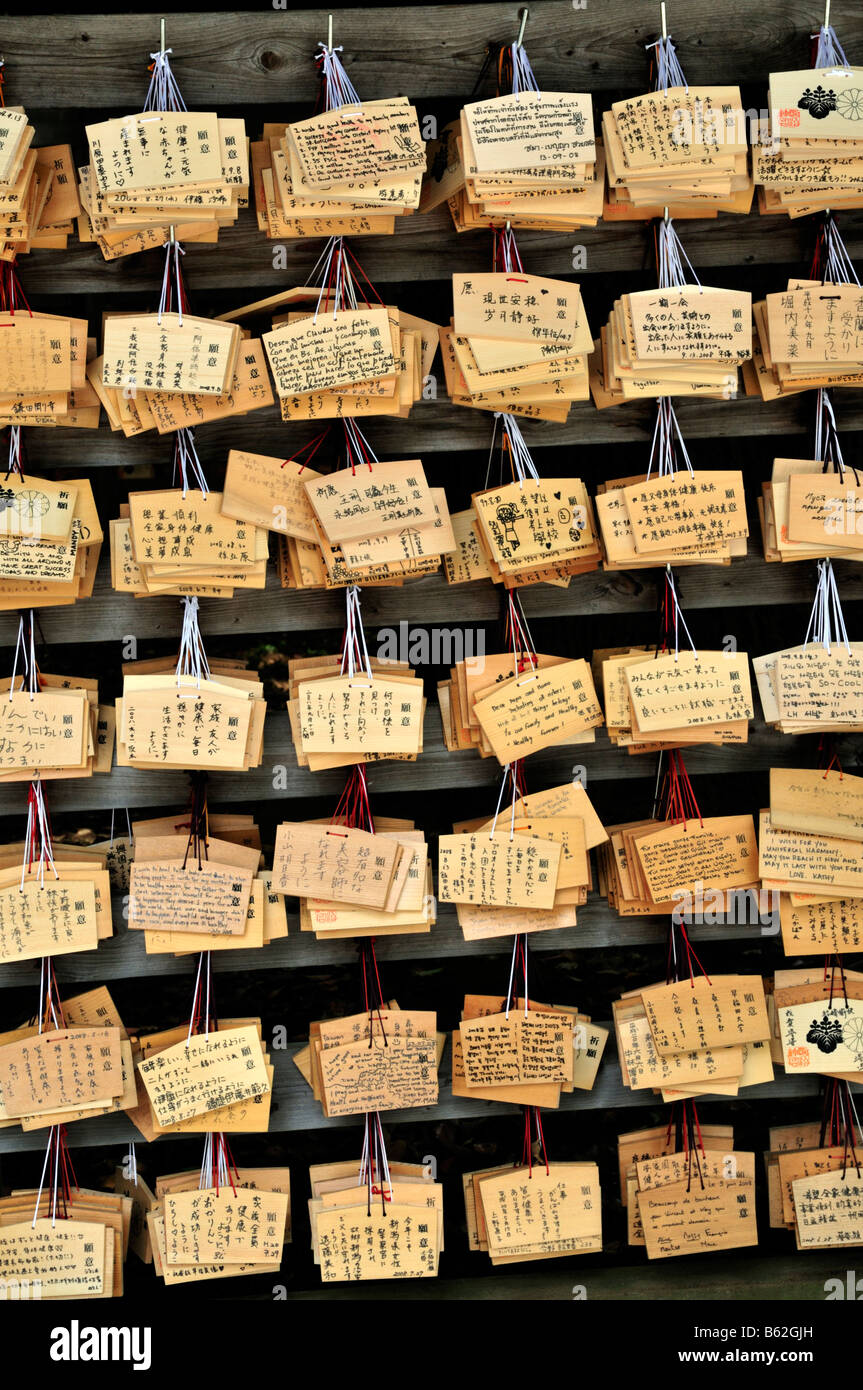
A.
pixel 68 69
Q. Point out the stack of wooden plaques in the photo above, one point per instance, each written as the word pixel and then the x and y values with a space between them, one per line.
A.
pixel 812 688
pixel 340 718
pixel 341 363
pixel 509 705
pixel 61 905
pixel 390 895
pixel 51 1077
pixel 536 530
pixel 811 853
pixel 176 542
pixel 524 1055
pixel 561 814
pixel 212 895
pixel 384 1059
pixel 808 513
pixel 133 410
pixel 219 1080
pixel 22 191
pixel 375 1222
pixel 128 1181
pixel 526 159
pixel 652 866
pixel 804 339
pixel 166 719
pixel 157 174
pixel 350 170
pixel 676 698
pixel 376 519
pixel 527 532
pixel 306 564
pixel 681 340
pixel 518 343
pixel 680 149
pixel 564 817
pixel 38 196
pixel 814 1180
pixel 503 867
pixel 174 353
pixel 534 1211
pixel 80 1255
pixel 170 371
pixel 638 1145
pixel 300 349
pixel 239 1226
pixel 690 517
pixel 694 1201
pixel 53 727
pixel 274 493
pixel 695 1037
pixel 43 371
pixel 812 158
pixel 50 542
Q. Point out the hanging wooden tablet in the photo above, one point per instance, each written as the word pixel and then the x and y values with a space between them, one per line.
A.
pixel 385 1059
pixel 809 158
pixel 350 169
pixel 678 148
pixel 205 1074
pixel 697 1201
pixel 525 158
pixel 161 172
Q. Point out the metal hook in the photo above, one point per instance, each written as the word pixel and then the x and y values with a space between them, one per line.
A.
pixel 524 14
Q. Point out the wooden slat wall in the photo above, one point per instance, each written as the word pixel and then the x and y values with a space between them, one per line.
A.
pixel 69 69
pixel 428 51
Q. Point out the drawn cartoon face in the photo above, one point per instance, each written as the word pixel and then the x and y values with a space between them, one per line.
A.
pixel 507 514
